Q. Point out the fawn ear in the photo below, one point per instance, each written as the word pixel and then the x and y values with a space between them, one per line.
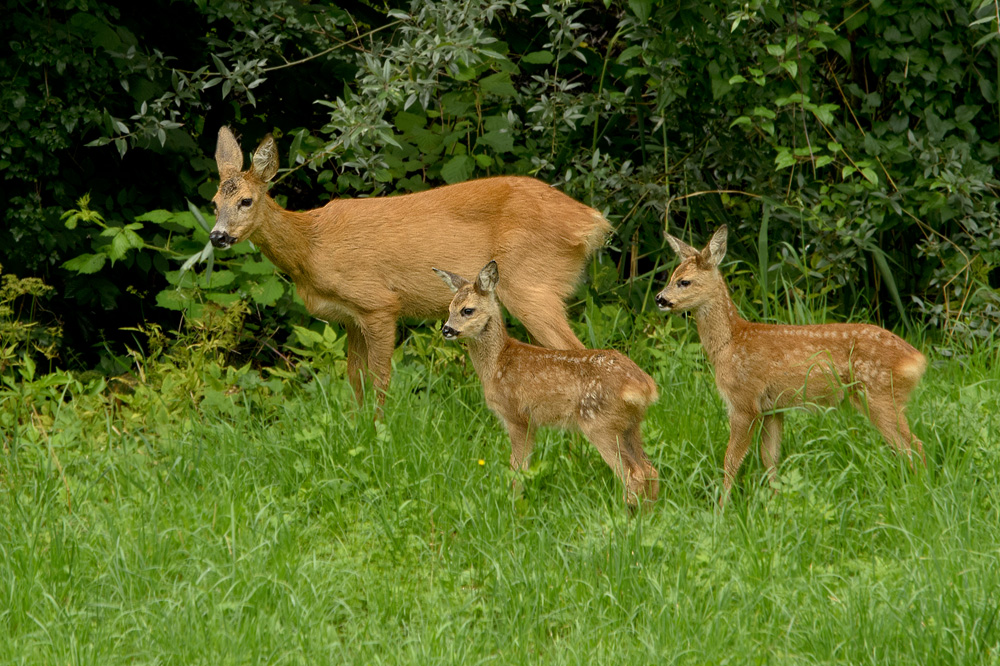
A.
pixel 716 248
pixel 683 250
pixel 488 278
pixel 265 160
pixel 228 156
pixel 454 282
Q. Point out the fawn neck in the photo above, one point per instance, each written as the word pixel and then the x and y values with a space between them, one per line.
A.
pixel 486 347
pixel 717 319
pixel 284 237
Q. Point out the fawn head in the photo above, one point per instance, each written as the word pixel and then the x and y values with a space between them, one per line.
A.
pixel 695 278
pixel 474 303
pixel 239 203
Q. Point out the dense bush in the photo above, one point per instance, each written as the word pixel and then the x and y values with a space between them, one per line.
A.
pixel 850 146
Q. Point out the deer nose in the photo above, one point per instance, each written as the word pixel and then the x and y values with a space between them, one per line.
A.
pixel 448 332
pixel 221 239
pixel 662 302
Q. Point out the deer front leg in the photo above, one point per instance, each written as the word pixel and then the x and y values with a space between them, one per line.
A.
pixel 357 360
pixel 741 427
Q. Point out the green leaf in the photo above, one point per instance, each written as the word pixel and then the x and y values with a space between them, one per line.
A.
pixel 263 267
pixel 158 216
pixel 498 84
pixel 86 263
pixel 823 160
pixel 538 57
pixel 776 50
pixel 268 292
pixel 791 67
pixel 641 8
pixel 626 55
pixel 501 141
pixel 410 122
pixel 173 299
pixel 459 168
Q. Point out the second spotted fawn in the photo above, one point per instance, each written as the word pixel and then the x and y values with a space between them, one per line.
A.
pixel 601 393
pixel 760 368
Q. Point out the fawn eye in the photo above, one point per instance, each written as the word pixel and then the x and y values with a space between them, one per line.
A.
pixel 684 283
pixel 246 203
pixel 467 312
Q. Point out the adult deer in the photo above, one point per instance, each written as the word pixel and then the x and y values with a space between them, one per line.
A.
pixel 601 393
pixel 760 368
pixel 366 262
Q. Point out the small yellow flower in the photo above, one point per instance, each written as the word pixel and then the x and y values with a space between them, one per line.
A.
pixel 482 462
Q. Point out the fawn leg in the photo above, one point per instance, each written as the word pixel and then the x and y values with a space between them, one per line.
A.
pixel 522 441
pixel 615 451
pixel 891 422
pixel 357 360
pixel 647 473
pixel 770 443
pixel 741 427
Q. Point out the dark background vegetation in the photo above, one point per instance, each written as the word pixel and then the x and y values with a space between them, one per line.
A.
pixel 851 146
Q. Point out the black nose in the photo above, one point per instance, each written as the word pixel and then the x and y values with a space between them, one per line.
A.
pixel 448 332
pixel 221 239
pixel 662 302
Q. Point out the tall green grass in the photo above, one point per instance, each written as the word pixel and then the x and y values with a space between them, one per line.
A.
pixel 297 530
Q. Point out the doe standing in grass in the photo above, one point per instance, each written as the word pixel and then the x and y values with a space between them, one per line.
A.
pixel 602 393
pixel 365 262
pixel 760 368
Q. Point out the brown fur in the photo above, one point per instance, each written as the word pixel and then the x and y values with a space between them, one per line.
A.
pixel 365 262
pixel 601 393
pixel 760 368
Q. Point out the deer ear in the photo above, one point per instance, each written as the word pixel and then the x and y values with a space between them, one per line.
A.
pixel 716 248
pixel 228 156
pixel 488 278
pixel 265 160
pixel 683 250
pixel 454 282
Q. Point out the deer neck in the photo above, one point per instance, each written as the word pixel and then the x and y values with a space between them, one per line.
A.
pixel 717 319
pixel 284 237
pixel 485 348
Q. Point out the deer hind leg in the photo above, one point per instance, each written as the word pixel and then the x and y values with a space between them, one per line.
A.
pixel 647 474
pixel 522 441
pixel 357 360
pixel 612 444
pixel 380 338
pixel 741 428
pixel 887 413
pixel 542 312
pixel 770 443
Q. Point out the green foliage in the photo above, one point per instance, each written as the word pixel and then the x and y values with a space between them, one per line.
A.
pixel 20 335
pixel 868 134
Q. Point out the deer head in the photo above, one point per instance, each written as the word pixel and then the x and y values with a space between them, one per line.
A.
pixel 240 202
pixel 696 277
pixel 474 304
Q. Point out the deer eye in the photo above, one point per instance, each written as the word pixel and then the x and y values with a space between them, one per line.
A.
pixel 246 203
pixel 684 283
pixel 467 312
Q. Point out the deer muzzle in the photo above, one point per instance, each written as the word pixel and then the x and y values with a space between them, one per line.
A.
pixel 663 303
pixel 448 332
pixel 221 239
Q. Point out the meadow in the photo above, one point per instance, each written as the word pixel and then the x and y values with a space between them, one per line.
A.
pixel 212 514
